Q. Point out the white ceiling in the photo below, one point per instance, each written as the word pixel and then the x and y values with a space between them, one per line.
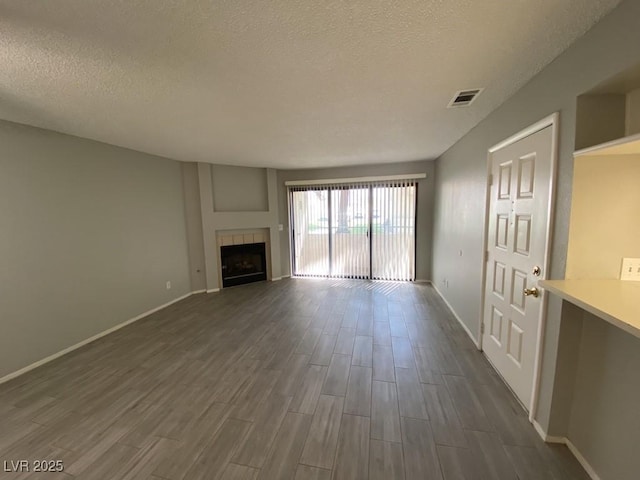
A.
pixel 280 83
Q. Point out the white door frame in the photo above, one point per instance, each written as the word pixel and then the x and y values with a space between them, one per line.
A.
pixel 553 121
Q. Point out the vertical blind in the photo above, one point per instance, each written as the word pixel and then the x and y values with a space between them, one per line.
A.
pixel 310 227
pixel 362 230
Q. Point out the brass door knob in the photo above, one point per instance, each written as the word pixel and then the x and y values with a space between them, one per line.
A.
pixel 531 291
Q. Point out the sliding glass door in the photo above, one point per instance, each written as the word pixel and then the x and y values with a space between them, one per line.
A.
pixel 354 231
pixel 310 209
pixel 394 232
pixel 350 232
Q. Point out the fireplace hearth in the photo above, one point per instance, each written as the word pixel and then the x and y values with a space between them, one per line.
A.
pixel 243 264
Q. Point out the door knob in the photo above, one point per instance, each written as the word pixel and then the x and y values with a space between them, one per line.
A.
pixel 531 291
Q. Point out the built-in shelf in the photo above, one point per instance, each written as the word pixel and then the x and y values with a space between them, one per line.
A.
pixel 615 301
pixel 623 146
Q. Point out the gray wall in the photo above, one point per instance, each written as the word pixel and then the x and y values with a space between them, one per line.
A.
pixel 610 47
pixel 89 236
pixel 223 198
pixel 605 416
pixel 424 208
pixel 239 189
pixel 195 235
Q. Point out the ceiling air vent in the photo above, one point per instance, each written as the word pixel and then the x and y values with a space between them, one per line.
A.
pixel 464 98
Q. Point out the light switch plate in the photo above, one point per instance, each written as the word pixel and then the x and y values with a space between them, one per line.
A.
pixel 630 269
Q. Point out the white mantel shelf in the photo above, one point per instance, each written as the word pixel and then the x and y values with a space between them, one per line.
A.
pixel 615 301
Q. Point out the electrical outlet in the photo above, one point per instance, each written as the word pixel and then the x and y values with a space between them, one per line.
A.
pixel 168 285
pixel 630 269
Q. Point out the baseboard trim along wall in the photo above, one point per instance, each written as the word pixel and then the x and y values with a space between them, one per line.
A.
pixel 572 448
pixel 213 290
pixel 275 279
pixel 544 436
pixel 547 438
pixel 70 349
pixel 453 312
pixel 583 461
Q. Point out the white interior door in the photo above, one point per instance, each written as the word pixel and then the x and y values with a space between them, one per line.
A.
pixel 517 238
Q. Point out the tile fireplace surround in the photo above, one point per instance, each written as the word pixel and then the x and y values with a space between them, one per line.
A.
pixel 244 237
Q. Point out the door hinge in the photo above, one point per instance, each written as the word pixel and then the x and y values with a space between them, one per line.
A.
pixel 482 328
pixel 490 179
pixel 486 255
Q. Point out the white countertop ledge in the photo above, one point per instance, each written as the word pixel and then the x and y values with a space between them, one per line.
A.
pixel 615 301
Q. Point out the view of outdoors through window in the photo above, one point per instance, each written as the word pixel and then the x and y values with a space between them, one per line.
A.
pixel 355 231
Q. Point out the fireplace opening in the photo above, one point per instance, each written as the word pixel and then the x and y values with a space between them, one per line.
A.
pixel 243 264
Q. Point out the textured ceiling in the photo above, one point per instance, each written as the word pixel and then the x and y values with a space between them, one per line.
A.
pixel 284 83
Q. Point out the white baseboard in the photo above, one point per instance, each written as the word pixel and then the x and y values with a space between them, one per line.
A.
pixel 195 292
pixel 213 290
pixel 275 279
pixel 583 461
pixel 572 448
pixel 547 438
pixel 475 341
pixel 59 354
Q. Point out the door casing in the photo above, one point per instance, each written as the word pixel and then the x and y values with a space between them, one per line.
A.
pixel 552 121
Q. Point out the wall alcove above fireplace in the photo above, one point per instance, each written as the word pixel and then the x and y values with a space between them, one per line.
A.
pixel 242 264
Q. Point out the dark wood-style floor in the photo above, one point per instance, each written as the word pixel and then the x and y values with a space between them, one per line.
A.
pixel 304 379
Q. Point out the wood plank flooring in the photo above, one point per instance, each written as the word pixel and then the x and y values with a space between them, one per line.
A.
pixel 298 379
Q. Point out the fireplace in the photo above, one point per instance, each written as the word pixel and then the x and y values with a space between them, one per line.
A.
pixel 243 264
